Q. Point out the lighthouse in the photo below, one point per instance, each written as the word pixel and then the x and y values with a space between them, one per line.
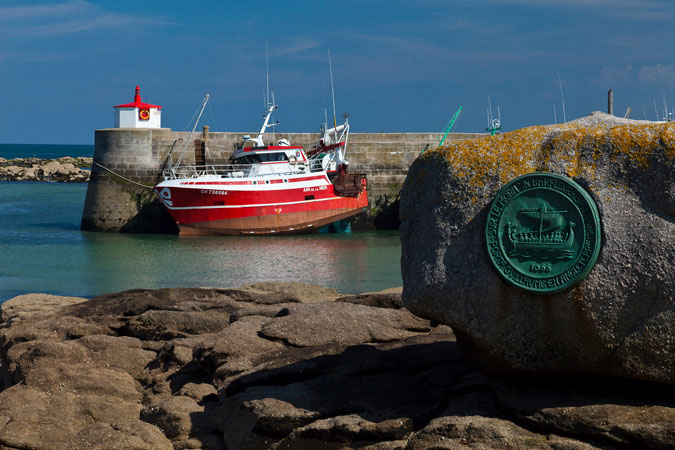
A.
pixel 138 114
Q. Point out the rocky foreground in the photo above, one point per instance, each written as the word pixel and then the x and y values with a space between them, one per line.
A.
pixel 281 365
pixel 66 169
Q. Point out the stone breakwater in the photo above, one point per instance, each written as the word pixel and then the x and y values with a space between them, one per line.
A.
pixel 286 366
pixel 66 169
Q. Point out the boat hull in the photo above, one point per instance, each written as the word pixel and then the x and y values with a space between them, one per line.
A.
pixel 224 210
pixel 292 223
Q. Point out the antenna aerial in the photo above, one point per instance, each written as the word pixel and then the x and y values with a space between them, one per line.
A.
pixel 489 110
pixel 267 71
pixel 332 90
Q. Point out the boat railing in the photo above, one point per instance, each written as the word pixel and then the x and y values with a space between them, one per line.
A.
pixel 238 170
pixel 223 170
pixel 319 162
pixel 315 165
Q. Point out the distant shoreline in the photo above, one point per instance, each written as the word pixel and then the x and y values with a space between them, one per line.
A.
pixel 45 151
pixel 65 169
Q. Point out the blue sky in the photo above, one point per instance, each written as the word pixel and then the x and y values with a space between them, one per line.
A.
pixel 398 65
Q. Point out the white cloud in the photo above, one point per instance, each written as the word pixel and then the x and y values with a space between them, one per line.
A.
pixel 424 50
pixel 43 57
pixel 610 76
pixel 633 10
pixel 641 4
pixel 296 46
pixel 12 13
pixel 658 74
pixel 37 21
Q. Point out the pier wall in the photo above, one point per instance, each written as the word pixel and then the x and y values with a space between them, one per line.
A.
pixel 128 161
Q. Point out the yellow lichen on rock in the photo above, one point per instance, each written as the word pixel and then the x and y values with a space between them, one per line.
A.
pixel 573 147
pixel 505 156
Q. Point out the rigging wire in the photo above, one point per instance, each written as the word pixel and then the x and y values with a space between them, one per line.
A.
pixel 213 118
pixel 187 126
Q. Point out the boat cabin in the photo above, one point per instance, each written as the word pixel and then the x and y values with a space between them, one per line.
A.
pixel 272 159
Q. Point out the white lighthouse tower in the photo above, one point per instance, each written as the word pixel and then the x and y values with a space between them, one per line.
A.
pixel 138 114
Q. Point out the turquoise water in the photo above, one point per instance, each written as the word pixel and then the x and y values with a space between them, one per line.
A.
pixel 43 250
pixel 10 151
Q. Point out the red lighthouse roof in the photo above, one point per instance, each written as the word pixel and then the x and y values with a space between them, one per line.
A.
pixel 137 102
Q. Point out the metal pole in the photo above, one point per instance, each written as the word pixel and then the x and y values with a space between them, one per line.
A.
pixel 610 102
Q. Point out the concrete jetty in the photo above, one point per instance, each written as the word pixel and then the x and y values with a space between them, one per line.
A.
pixel 128 162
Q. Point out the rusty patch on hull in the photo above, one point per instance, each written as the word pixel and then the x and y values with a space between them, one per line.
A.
pixel 292 223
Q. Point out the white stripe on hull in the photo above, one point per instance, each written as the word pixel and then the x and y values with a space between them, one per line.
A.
pixel 261 186
pixel 247 206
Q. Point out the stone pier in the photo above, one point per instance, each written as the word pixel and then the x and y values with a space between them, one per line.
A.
pixel 129 161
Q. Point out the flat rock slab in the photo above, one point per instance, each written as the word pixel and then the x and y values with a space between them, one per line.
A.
pixel 25 306
pixel 145 369
pixel 619 320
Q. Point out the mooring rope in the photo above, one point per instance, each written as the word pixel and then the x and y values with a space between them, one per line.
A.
pixel 120 176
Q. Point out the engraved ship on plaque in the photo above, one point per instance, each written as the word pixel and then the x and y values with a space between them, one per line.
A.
pixel 542 233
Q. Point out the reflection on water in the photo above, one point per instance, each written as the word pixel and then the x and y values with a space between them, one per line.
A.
pixel 349 263
pixel 43 250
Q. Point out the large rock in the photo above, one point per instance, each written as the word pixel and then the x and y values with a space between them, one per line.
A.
pixel 28 305
pixel 619 320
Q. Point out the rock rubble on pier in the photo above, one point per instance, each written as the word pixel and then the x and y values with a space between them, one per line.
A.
pixel 286 366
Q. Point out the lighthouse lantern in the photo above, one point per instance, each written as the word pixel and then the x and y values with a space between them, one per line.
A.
pixel 138 114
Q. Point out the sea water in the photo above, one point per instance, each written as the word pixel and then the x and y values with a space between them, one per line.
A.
pixel 44 151
pixel 43 250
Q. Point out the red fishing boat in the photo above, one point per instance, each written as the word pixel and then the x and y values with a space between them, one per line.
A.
pixel 267 189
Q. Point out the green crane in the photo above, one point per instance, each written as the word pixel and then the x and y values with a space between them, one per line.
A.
pixel 448 127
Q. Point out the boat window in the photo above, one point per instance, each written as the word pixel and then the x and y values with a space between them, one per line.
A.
pixel 248 159
pixel 262 157
pixel 271 157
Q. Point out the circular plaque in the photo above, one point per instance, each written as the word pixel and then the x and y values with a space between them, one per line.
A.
pixel 543 233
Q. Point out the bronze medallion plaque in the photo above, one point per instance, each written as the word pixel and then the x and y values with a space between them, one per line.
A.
pixel 543 233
